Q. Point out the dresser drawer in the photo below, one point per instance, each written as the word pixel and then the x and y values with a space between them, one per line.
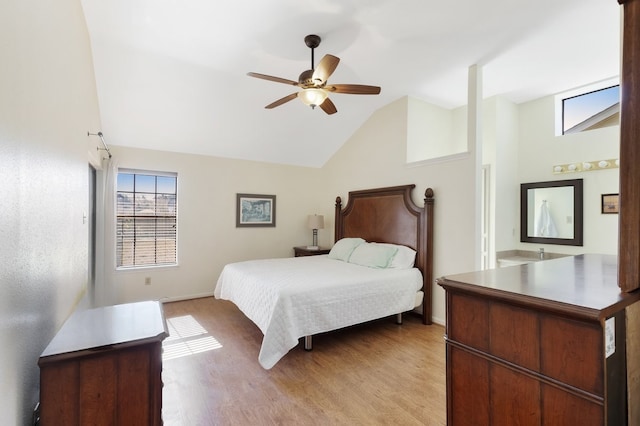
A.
pixel 573 353
pixel 468 320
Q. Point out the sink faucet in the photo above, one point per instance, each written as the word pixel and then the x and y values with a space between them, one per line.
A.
pixel 541 253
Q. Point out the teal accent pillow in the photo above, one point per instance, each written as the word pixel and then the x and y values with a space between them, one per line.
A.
pixel 342 249
pixel 373 255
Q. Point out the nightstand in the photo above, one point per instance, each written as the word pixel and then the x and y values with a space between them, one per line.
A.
pixel 304 251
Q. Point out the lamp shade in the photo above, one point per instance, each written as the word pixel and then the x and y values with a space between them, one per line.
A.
pixel 315 221
pixel 312 96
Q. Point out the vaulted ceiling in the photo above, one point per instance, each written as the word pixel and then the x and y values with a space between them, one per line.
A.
pixel 172 75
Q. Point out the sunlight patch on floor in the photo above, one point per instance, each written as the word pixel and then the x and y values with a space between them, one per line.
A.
pixel 187 337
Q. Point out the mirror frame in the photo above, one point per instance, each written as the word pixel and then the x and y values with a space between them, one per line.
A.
pixel 577 212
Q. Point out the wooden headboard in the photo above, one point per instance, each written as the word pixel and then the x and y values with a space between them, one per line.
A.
pixel 389 215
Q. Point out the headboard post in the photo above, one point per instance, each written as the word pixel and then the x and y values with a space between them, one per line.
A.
pixel 428 252
pixel 338 223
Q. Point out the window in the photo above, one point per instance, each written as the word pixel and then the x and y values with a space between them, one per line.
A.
pixel 146 219
pixel 589 108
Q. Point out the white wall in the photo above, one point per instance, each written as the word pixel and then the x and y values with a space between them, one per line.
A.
pixel 540 149
pixel 47 104
pixel 207 234
pixel 500 151
pixel 430 132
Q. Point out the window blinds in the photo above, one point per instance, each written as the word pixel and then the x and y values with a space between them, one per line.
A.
pixel 146 232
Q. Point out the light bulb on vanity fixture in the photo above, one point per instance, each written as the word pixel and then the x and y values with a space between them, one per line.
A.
pixel 315 222
pixel 587 166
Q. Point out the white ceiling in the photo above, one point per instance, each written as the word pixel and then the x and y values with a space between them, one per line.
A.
pixel 171 74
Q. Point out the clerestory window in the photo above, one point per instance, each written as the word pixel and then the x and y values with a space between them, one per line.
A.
pixel 591 108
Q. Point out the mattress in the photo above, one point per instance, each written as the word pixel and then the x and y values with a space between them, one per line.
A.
pixel 289 298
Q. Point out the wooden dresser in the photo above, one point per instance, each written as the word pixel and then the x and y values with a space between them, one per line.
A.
pixel 546 343
pixel 104 368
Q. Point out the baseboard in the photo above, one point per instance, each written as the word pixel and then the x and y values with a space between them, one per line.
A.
pixel 438 321
pixel 181 298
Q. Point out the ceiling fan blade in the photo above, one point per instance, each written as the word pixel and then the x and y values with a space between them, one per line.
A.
pixel 282 100
pixel 325 68
pixel 272 78
pixel 328 107
pixel 353 89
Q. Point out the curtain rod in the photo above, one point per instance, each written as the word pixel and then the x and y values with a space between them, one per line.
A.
pixel 106 148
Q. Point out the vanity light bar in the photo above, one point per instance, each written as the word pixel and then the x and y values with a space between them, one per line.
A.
pixel 587 166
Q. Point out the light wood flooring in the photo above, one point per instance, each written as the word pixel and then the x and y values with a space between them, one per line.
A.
pixel 379 373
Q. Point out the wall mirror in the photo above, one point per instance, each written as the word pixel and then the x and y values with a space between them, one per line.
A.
pixel 551 212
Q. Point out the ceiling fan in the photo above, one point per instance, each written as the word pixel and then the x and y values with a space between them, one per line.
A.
pixel 313 82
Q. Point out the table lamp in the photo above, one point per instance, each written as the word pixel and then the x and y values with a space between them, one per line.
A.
pixel 315 222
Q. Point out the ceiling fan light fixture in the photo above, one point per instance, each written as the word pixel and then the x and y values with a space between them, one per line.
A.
pixel 313 83
pixel 313 96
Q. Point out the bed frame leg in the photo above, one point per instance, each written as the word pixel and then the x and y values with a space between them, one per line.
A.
pixel 399 318
pixel 308 343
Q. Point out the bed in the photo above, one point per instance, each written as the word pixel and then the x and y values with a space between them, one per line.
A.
pixel 293 298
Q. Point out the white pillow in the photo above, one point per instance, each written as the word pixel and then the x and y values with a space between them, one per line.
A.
pixel 405 258
pixel 373 255
pixel 342 249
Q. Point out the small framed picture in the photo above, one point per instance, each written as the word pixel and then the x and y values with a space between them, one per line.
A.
pixel 255 210
pixel 610 203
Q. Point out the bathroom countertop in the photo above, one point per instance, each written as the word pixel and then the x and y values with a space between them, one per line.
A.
pixel 519 257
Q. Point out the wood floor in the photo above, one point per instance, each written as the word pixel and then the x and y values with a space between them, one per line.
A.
pixel 375 374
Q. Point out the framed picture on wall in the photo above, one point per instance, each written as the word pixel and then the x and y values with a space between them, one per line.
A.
pixel 255 210
pixel 610 203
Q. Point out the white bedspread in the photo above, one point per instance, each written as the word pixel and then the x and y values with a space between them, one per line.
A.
pixel 290 298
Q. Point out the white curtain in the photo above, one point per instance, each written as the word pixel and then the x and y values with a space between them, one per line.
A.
pixel 105 293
